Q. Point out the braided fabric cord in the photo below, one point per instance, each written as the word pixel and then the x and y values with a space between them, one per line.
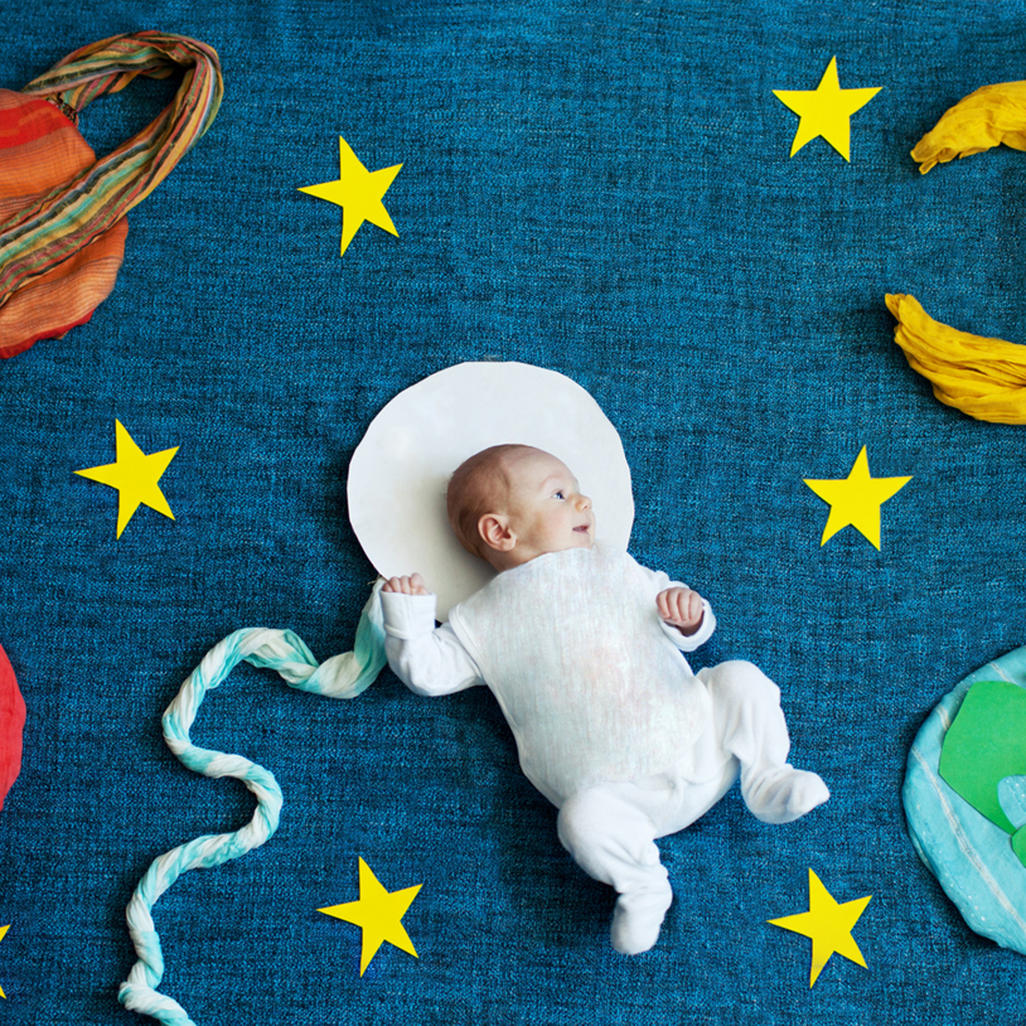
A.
pixel 342 676
pixel 68 217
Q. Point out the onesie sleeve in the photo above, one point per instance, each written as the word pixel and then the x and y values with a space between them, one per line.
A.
pixel 658 581
pixel 429 660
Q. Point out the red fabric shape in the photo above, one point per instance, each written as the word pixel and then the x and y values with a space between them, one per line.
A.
pixel 12 722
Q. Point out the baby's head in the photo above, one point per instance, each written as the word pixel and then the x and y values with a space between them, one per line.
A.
pixel 511 503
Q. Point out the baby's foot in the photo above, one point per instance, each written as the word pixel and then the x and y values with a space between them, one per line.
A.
pixel 637 919
pixel 783 794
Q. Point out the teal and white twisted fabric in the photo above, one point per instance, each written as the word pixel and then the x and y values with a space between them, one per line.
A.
pixel 342 676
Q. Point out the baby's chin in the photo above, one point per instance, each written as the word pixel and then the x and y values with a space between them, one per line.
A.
pixel 578 541
pixel 575 540
pixel 581 539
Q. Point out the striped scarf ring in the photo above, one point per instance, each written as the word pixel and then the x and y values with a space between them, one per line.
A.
pixel 62 211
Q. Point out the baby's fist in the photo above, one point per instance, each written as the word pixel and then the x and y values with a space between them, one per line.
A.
pixel 412 585
pixel 680 607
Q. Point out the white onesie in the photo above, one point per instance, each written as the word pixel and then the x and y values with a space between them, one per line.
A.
pixel 610 723
pixel 586 673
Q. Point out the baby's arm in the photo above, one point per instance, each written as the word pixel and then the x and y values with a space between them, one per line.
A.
pixel 428 660
pixel 682 608
pixel 412 585
pixel 686 617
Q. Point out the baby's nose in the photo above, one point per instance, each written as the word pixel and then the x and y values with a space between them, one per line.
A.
pixel 583 502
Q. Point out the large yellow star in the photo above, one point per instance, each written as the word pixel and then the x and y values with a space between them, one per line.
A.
pixel 828 924
pixel 3 932
pixel 358 192
pixel 825 111
pixel 856 499
pixel 134 475
pixel 379 915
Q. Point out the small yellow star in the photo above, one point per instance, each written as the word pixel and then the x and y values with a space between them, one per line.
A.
pixel 134 475
pixel 856 499
pixel 379 915
pixel 828 924
pixel 825 111
pixel 358 192
pixel 3 933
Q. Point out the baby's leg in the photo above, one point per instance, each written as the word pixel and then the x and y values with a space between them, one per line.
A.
pixel 613 841
pixel 751 726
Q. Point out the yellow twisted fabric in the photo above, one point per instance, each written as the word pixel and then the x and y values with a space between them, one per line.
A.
pixel 983 377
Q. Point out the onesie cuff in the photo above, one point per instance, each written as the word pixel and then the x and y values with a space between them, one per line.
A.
pixel 407 616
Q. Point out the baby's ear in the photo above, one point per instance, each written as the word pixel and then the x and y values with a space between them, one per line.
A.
pixel 495 532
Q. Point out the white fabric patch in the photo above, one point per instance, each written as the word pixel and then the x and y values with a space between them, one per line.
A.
pixel 573 648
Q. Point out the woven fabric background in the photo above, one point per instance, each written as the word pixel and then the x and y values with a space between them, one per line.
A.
pixel 603 189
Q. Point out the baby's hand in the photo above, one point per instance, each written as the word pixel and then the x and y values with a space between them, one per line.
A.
pixel 682 608
pixel 413 585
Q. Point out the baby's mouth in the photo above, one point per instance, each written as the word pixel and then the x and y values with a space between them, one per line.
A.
pixel 583 528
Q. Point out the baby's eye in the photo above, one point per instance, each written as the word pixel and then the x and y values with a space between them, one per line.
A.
pixel 559 494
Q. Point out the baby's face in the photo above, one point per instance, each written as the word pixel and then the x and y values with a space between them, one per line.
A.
pixel 546 510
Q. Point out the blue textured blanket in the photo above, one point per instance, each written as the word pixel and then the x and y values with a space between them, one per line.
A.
pixel 602 189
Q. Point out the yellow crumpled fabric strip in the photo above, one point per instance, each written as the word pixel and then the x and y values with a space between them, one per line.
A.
pixel 992 115
pixel 983 377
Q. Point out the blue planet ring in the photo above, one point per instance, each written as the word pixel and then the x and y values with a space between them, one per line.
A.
pixel 971 857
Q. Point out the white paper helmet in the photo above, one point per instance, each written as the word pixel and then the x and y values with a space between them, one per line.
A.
pixel 401 468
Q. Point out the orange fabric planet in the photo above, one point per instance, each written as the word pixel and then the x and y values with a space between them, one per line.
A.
pixel 41 150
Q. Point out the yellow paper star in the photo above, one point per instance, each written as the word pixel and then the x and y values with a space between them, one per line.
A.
pixel 828 924
pixel 379 915
pixel 825 111
pixel 358 192
pixel 3 933
pixel 856 499
pixel 134 475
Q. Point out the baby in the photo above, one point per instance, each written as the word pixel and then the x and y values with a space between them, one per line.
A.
pixel 582 648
